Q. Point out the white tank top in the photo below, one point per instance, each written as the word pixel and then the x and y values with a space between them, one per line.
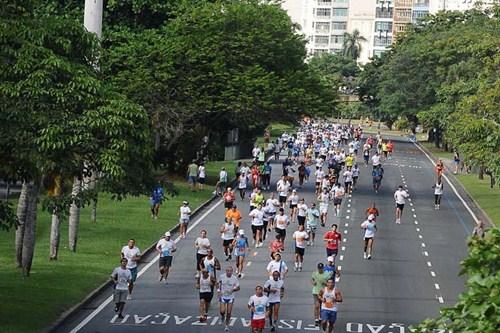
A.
pixel 329 302
pixel 209 265
pixel 205 284
pixel 228 233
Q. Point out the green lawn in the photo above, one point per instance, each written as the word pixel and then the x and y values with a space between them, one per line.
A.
pixel 213 168
pixel 438 152
pixel 276 129
pixel 31 304
pixel 488 198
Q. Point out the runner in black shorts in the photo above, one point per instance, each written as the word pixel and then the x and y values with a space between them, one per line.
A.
pixel 205 284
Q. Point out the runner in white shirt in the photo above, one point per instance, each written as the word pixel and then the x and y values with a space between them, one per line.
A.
pixel 205 284
pixel 337 193
pixel 329 297
pixel 185 214
pixel 324 200
pixel 226 287
pixel 133 255
pixel 376 160
pixel 282 187
pixel 348 176
pixel 281 221
pixel 258 304
pixel 257 216
pixel 370 229
pixel 320 174
pixel 301 212
pixel 202 245
pixel 438 193
pixel 165 247
pixel 400 197
pixel 293 199
pixel 121 277
pixel 227 235
pixel 277 265
pixel 300 237
pixel 274 287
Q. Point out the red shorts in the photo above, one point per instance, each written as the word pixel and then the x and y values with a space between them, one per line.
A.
pixel 258 324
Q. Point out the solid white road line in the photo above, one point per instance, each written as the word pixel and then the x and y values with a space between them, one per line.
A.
pixel 142 271
pixel 451 185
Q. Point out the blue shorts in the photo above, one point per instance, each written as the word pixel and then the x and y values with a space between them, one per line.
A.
pixel 329 316
pixel 133 272
pixel 226 300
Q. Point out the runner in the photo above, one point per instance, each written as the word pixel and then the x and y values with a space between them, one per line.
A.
pixel 281 221
pixel 300 237
pixel 226 287
pixel 355 176
pixel 266 176
pixel 205 284
pixel 312 223
pixel 283 187
pixel 370 229
pixel 242 185
pixel 222 183
pixel 323 199
pixel 235 215
pixel 318 279
pixel 348 179
pixel 332 240
pixel 366 153
pixel 385 150
pixel 185 214
pixel 241 248
pixel 202 174
pixel 227 235
pixel 301 212
pixel 192 173
pixel 293 199
pixel 338 193
pixel 257 216
pixel 331 268
pixel 377 175
pixel 156 200
pixel 258 305
pixel 165 247
pixel 277 265
pixel 320 174
pixel 202 245
pixel 390 148
pixel 439 168
pixel 438 193
pixel 400 197
pixel 456 161
pixel 121 277
pixel 302 173
pixel 376 160
pixel 329 297
pixel 276 246
pixel 210 263
pixel 274 287
pixel 133 255
pixel 229 198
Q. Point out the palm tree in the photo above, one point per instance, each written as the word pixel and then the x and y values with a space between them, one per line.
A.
pixel 352 44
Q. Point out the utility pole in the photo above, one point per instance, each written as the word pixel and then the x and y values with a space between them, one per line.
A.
pixel 92 19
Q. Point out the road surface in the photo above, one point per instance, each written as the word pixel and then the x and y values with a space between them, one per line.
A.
pixel 413 272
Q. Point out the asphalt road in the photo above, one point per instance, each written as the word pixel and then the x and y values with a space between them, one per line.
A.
pixel 413 272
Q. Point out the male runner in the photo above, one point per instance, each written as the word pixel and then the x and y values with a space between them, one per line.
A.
pixel 301 212
pixel 234 214
pixel 282 187
pixel 205 284
pixel 185 215
pixel 121 277
pixel 228 284
pixel 133 255
pixel 338 193
pixel 277 265
pixel 257 216
pixel 312 223
pixel 202 245
pixel 227 235
pixel 281 221
pixel 165 247
pixel 274 287
pixel 332 240
pixel 370 228
pixel 400 197
pixel 300 237
pixel 329 297
pixel 318 279
pixel 323 199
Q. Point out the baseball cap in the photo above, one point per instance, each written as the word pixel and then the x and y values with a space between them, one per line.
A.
pixel 330 258
pixel 184 202
pixel 167 234
pixel 241 232
pixel 320 265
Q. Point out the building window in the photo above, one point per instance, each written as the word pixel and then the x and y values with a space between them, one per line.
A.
pixel 382 41
pixel 383 26
pixel 339 11
pixel 339 25
pixel 341 1
pixel 402 14
pixel 378 53
pixel 323 12
pixel 322 27
pixel 321 40
pixel 400 27
pixel 419 15
pixel 403 3
pixel 383 12
pixel 319 51
pixel 337 39
pixel 324 2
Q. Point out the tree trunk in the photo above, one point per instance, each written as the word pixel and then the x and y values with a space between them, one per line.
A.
pixel 22 208
pixel 55 236
pixel 30 227
pixel 93 207
pixel 74 216
pixel 481 172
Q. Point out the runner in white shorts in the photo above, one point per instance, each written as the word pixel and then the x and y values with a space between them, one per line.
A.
pixel 274 287
pixel 226 287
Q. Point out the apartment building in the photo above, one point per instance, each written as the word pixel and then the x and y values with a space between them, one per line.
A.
pixel 324 22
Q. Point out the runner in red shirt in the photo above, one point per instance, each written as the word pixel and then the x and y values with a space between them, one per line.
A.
pixel 229 198
pixel 332 240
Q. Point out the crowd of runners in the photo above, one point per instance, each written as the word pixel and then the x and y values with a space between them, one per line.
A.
pixel 262 211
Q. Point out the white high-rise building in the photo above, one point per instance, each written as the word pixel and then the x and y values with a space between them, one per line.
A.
pixel 324 22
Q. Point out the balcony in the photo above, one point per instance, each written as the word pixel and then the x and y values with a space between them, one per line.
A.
pixel 383 13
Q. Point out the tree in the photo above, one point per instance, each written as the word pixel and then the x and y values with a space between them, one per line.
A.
pixel 477 308
pixel 352 44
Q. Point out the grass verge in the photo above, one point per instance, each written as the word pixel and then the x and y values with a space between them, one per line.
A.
pixel 29 305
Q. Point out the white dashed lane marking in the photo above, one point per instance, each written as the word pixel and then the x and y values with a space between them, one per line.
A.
pixel 249 263
pixel 433 274
pixel 423 244
pixel 440 299
pixel 429 264
pixel 436 286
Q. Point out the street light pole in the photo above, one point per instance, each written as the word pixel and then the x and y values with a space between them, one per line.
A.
pixel 92 19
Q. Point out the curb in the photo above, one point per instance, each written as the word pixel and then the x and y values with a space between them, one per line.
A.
pixel 451 175
pixel 100 289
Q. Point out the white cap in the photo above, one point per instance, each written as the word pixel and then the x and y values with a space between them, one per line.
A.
pixel 241 232
pixel 167 234
pixel 330 258
pixel 371 217
pixel 184 202
pixel 294 190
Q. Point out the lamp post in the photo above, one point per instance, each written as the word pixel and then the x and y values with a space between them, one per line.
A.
pixel 92 19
